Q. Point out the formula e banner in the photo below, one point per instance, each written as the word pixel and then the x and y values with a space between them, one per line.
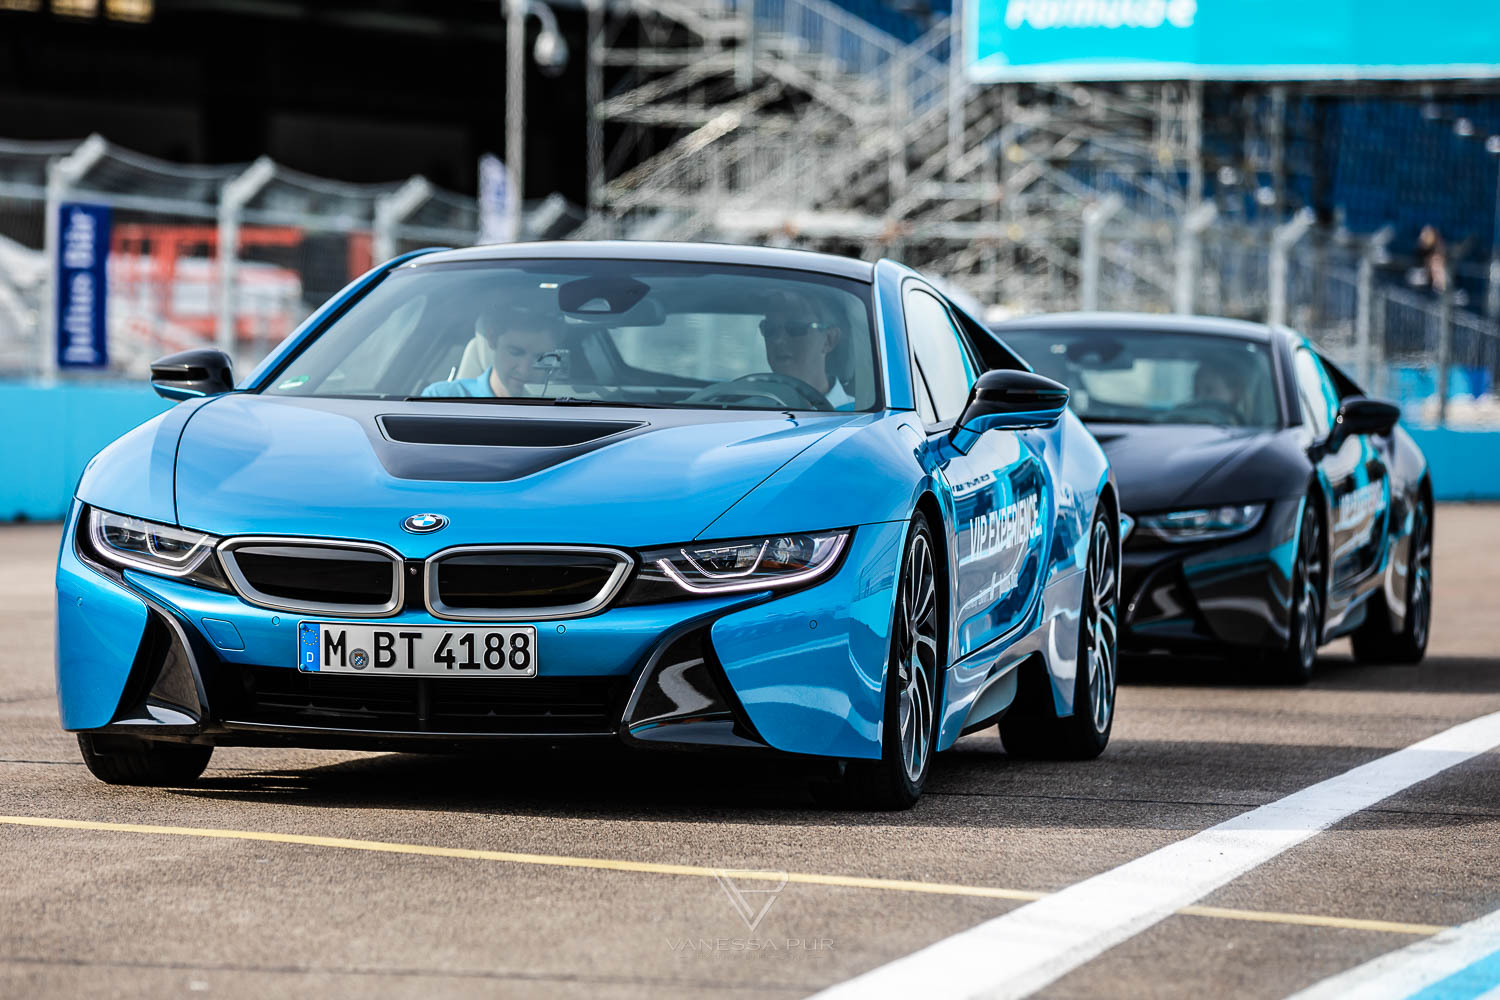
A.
pixel 1230 39
pixel 82 285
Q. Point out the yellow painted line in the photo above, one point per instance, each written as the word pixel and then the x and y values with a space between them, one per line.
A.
pixel 658 868
pixel 1312 920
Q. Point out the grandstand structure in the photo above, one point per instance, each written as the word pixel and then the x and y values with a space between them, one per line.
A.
pixel 793 121
pixel 797 123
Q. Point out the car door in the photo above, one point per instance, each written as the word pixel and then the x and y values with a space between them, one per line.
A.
pixel 1354 475
pixel 1001 498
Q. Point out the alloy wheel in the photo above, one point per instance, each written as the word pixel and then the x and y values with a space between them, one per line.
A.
pixel 1310 592
pixel 1101 627
pixel 1419 607
pixel 916 660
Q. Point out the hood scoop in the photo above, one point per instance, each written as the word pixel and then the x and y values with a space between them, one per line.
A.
pixel 500 432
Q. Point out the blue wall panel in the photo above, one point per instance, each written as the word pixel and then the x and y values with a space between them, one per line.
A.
pixel 1465 464
pixel 50 432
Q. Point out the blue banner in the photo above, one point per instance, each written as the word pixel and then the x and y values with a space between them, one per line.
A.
pixel 82 285
pixel 1230 39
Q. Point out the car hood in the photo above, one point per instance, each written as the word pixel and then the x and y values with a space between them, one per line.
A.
pixel 1161 466
pixel 251 464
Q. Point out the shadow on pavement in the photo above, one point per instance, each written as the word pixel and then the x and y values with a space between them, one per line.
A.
pixel 1434 675
pixel 1137 784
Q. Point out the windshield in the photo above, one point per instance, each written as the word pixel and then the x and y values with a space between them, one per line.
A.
pixel 1143 376
pixel 643 333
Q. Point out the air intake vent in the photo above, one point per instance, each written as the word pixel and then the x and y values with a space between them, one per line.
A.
pixel 539 705
pixel 500 432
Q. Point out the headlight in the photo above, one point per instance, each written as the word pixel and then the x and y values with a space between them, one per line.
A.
pixel 1203 523
pixel 133 543
pixel 735 566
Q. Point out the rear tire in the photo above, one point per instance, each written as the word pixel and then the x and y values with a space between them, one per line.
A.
pixel 128 760
pixel 1294 663
pixel 913 670
pixel 1376 641
pixel 1034 730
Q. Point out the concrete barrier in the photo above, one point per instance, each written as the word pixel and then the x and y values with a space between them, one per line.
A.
pixel 1465 464
pixel 49 432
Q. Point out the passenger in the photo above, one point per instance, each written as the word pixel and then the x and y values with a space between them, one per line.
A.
pixel 1218 380
pixel 517 338
pixel 800 343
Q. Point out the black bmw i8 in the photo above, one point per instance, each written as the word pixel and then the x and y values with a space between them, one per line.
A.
pixel 1270 505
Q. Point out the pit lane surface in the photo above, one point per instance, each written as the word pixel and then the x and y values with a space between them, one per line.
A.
pixel 561 874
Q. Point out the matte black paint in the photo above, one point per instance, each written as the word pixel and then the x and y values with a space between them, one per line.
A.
pixel 1236 592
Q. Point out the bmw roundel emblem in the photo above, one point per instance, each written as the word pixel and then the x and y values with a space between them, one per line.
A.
pixel 421 524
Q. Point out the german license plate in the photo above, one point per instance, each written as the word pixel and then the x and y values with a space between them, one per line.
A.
pixel 416 650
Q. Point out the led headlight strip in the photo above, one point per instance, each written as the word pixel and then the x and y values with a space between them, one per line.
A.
pixel 1203 523
pixel 135 543
pixel 749 564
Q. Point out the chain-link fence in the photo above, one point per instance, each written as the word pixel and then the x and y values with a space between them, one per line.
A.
pixel 230 256
pixel 1400 340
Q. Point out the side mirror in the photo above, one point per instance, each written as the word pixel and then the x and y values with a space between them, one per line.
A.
pixel 1006 399
pixel 190 374
pixel 1362 415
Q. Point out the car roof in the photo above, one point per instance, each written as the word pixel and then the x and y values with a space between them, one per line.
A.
pixel 709 253
pixel 1158 322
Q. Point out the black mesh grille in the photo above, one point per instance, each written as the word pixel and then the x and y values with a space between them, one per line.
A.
pixel 283 696
pixel 305 574
pixel 480 580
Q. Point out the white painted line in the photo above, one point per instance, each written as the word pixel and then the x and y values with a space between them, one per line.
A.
pixel 1401 973
pixel 1035 944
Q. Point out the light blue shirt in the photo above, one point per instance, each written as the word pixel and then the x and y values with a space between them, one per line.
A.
pixel 479 385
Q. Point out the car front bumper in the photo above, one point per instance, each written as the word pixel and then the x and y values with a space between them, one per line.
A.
pixel 1196 596
pixel 800 673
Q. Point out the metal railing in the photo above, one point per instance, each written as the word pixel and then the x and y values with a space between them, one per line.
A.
pixel 227 256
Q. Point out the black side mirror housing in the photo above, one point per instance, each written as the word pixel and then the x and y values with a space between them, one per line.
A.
pixel 1362 415
pixel 1007 399
pixel 203 371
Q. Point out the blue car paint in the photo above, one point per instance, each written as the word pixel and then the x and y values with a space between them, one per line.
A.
pixel 240 458
pixel 135 474
pixel 809 667
pixel 99 626
pixel 246 463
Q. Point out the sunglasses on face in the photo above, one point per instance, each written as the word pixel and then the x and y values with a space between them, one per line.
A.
pixel 789 328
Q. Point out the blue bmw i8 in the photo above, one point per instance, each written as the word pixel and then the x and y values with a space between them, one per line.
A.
pixel 675 496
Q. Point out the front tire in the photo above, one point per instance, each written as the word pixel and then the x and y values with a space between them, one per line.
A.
pixel 127 760
pixel 1034 730
pixel 1376 641
pixel 909 734
pixel 1294 663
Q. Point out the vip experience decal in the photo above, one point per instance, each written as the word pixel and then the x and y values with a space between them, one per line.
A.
pixel 1360 509
pixel 1006 528
pixel 998 542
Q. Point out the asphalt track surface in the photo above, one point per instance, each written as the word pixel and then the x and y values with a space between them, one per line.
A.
pixel 541 873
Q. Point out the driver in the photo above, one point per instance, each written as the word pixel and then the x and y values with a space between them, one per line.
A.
pixel 799 340
pixel 1218 380
pixel 517 338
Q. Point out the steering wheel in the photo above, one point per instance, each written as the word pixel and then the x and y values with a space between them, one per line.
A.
pixel 784 390
pixel 1215 408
